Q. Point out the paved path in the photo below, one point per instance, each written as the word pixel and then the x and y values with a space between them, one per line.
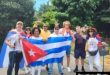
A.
pixel 44 72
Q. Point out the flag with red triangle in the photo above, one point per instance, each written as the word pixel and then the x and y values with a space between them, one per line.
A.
pixel 31 52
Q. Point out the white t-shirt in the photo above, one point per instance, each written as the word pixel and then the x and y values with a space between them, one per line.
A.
pixel 92 44
pixel 55 35
pixel 65 33
pixel 36 38
pixel 14 39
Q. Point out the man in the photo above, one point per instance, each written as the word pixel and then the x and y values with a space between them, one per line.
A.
pixel 55 34
pixel 79 51
pixel 45 33
pixel 15 55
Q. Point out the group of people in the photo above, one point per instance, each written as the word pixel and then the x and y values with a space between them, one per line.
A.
pixel 85 39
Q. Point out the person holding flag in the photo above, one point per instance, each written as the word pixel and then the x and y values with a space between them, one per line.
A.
pixel 28 35
pixel 31 52
pixel 45 33
pixel 66 32
pixel 36 36
pixel 55 34
pixel 15 55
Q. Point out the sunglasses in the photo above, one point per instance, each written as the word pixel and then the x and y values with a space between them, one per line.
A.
pixel 45 26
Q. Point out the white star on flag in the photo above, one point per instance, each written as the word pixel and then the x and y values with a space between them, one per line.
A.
pixel 31 53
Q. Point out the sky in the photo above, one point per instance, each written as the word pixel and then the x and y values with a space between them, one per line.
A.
pixel 38 3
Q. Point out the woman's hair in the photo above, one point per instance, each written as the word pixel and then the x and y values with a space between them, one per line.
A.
pixel 33 30
pixel 19 22
pixel 91 30
pixel 56 27
pixel 68 22
pixel 27 28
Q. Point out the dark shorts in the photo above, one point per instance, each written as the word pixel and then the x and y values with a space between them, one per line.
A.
pixel 79 53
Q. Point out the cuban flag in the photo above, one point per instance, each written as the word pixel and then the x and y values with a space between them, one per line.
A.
pixel 38 52
pixel 55 49
pixel 4 55
pixel 31 52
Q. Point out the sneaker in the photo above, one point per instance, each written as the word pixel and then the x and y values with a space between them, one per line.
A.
pixel 83 70
pixel 68 69
pixel 76 70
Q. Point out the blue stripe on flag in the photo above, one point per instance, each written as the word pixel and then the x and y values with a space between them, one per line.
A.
pixel 59 39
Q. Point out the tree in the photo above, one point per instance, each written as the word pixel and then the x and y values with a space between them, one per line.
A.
pixel 13 10
pixel 102 18
pixel 80 11
pixel 90 12
pixel 49 15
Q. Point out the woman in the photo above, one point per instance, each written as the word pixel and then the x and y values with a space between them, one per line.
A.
pixel 28 31
pixel 15 55
pixel 36 35
pixel 92 48
pixel 28 34
pixel 66 31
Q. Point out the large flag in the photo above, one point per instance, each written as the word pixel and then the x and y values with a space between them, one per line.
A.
pixel 54 51
pixel 31 52
pixel 4 55
pixel 55 47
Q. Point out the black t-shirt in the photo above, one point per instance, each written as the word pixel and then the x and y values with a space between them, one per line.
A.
pixel 79 42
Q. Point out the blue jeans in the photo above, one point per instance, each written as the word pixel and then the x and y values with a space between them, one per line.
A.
pixel 14 59
pixel 51 68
